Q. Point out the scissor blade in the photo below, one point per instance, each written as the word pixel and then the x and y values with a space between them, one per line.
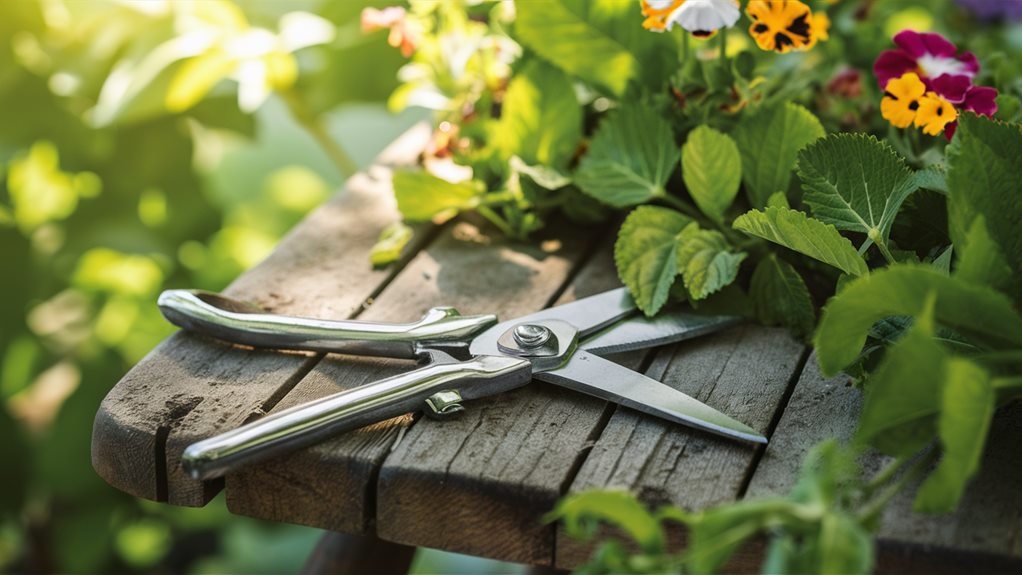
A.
pixel 588 315
pixel 594 375
pixel 642 332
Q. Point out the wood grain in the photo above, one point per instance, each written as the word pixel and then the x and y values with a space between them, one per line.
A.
pixel 745 372
pixel 333 485
pixel 481 485
pixel 189 388
pixel 985 530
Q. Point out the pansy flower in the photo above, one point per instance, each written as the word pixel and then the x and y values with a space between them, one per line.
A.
pixel 901 100
pixel 934 114
pixel 701 18
pixel 931 56
pixel 785 25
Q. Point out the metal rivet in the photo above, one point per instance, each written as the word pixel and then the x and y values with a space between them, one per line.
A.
pixel 444 404
pixel 529 335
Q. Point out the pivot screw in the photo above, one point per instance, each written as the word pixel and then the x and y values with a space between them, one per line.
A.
pixel 529 335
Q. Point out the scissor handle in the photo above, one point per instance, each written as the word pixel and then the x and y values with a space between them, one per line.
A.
pixel 310 423
pixel 239 322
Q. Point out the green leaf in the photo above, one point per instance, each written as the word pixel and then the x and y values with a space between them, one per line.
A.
pixel 977 312
pixel 545 177
pixel 855 182
pixel 899 416
pixel 392 240
pixel 794 230
pixel 933 178
pixel 716 534
pixel 599 41
pixel 712 170
pixel 422 196
pixel 843 546
pixel 646 254
pixel 769 143
pixel 966 408
pixel 981 261
pixel 780 297
pixel 705 261
pixel 541 119
pixel 581 512
pixel 630 158
pixel 984 178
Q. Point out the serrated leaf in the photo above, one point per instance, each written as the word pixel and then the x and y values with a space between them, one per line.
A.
pixel 981 259
pixel 595 40
pixel 855 182
pixel 780 297
pixel 977 312
pixel 903 397
pixel 646 254
pixel 630 158
pixel 967 406
pixel 769 143
pixel 794 230
pixel 984 178
pixel 705 261
pixel 422 196
pixel 933 178
pixel 541 119
pixel 712 170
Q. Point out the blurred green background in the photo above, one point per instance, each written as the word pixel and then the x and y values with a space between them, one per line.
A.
pixel 143 146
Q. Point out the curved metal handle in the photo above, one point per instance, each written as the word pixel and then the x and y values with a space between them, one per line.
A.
pixel 312 422
pixel 240 322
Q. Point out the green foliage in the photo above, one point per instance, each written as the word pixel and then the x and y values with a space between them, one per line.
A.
pixel 780 297
pixel 769 142
pixel 541 121
pixel 705 261
pixel 794 230
pixel 981 260
pixel 712 169
pixel 856 183
pixel 630 159
pixel 392 241
pixel 646 254
pixel 421 196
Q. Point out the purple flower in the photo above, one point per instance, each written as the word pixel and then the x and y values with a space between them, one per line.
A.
pixel 931 56
pixel 993 9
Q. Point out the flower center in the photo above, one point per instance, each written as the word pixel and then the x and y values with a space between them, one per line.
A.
pixel 934 66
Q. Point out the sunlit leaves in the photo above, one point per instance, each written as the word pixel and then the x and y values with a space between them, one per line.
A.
pixel 40 192
pixel 541 120
pixel 108 270
pixel 392 241
pixel 712 170
pixel 855 182
pixel 794 230
pixel 646 254
pixel 629 159
pixel 706 261
pixel 769 142
pixel 422 196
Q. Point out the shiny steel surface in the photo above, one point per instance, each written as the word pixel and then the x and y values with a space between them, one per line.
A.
pixel 640 332
pixel 605 379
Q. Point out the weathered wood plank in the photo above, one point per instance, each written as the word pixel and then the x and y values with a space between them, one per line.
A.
pixel 332 485
pixel 745 372
pixel 985 530
pixel 456 485
pixel 190 387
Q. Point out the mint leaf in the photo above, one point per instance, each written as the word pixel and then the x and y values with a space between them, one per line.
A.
pixel 705 261
pixel 984 179
pixel 977 312
pixel 794 230
pixel 598 41
pixel 769 142
pixel 630 158
pixel 899 417
pixel 541 120
pixel 981 261
pixel 392 240
pixel 619 508
pixel 646 254
pixel 967 406
pixel 422 196
pixel 855 182
pixel 712 170
pixel 780 297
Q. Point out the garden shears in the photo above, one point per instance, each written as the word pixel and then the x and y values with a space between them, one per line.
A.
pixel 466 357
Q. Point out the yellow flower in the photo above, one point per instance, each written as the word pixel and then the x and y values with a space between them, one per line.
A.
pixel 820 29
pixel 784 25
pixel 934 114
pixel 657 12
pixel 902 100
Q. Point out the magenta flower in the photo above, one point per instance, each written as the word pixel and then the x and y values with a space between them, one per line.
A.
pixel 931 56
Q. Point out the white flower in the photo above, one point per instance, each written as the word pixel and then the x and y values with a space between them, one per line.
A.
pixel 704 17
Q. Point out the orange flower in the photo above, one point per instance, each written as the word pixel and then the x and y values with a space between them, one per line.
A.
pixel 785 25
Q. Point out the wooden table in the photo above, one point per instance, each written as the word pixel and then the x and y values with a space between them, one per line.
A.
pixel 480 483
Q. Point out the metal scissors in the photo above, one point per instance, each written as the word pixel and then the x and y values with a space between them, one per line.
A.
pixel 466 357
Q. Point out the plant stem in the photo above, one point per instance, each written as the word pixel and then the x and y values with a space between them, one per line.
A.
pixel 723 44
pixel 876 506
pixel 679 205
pixel 314 125
pixel 496 220
pixel 886 474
